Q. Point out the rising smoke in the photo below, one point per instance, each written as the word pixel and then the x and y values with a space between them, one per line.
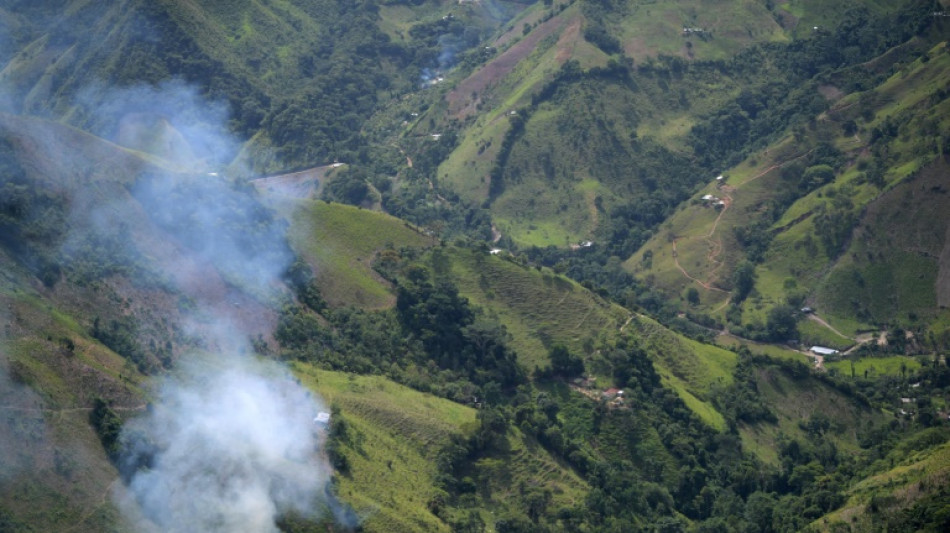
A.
pixel 229 445
pixel 172 119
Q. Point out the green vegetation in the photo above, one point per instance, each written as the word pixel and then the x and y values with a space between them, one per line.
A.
pixel 563 377
pixel 341 243
pixel 539 308
pixel 391 433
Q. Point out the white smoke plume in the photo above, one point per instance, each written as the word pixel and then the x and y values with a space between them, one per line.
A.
pixel 171 119
pixel 230 442
pixel 229 445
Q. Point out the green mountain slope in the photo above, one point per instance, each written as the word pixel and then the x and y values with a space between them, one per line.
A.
pixel 908 490
pixel 292 74
pixel 636 83
pixel 341 243
pixel 56 474
pixel 564 380
pixel 853 218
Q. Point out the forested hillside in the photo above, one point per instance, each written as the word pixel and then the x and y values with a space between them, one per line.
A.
pixel 487 265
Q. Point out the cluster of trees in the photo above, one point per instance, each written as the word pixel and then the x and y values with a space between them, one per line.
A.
pixel 433 340
pixel 788 94
pixel 654 463
pixel 121 335
pixel 32 218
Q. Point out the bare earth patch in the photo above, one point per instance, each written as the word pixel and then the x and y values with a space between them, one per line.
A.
pixel 830 92
pixel 303 184
pixel 569 38
pixel 461 103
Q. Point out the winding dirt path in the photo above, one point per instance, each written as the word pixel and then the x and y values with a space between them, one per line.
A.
pixel 627 323
pixel 103 500
pixel 701 283
pixel 715 245
pixel 815 318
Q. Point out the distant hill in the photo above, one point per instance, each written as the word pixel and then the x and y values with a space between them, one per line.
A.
pixel 636 80
pixel 292 76
pixel 830 243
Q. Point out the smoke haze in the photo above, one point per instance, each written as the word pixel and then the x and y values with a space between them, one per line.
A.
pixel 171 120
pixel 229 441
pixel 229 445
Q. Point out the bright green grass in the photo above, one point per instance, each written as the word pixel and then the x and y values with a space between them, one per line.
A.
pixel 704 410
pixel 875 366
pixel 393 432
pixel 538 233
pixel 700 366
pixel 772 350
pixel 39 350
pixel 466 170
pixel 341 241
pixel 54 421
pixel 539 308
pixel 649 29
pixel 813 333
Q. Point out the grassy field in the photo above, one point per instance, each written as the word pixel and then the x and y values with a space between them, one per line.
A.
pixel 55 474
pixel 393 433
pixel 538 307
pixel 340 242
pixel 872 367
pixel 650 29
pixel 812 333
pixel 733 343
pixel 688 367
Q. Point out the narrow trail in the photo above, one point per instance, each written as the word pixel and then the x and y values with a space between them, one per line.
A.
pixel 102 501
pixel 403 152
pixel 627 323
pixel 722 306
pixel 701 283
pixel 816 318
pixel 715 245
